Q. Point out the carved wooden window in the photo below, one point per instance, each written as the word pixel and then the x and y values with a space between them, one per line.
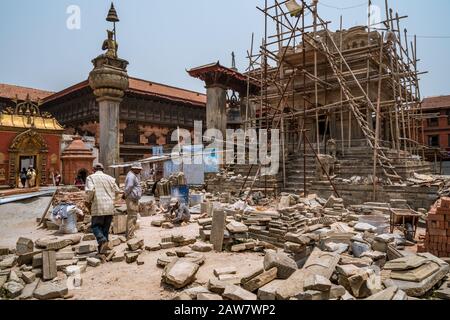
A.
pixel 131 134
pixel 153 139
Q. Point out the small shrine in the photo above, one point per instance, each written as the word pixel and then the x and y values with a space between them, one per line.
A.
pixel 29 139
pixel 77 161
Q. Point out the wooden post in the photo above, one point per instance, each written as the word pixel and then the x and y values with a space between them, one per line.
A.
pixel 377 123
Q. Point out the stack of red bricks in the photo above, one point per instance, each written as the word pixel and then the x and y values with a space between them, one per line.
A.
pixel 437 240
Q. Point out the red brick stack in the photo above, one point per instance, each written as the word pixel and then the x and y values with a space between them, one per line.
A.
pixel 437 240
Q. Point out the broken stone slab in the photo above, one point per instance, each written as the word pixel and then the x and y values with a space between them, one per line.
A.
pixel 51 290
pixel 4 251
pixel 28 277
pixel 312 295
pixel 24 246
pixel 15 275
pixel 218 286
pixel 269 291
pixel 61 265
pixel 182 252
pixel 239 247
pixel 347 270
pixel 236 293
pixel 332 201
pixel 322 263
pixel 89 237
pixel 167 225
pixel 140 260
pixel 365 283
pixel 261 280
pixel 77 281
pixel 358 262
pixel 13 289
pixel 73 270
pixel 65 255
pixel 93 262
pixel 358 248
pixel 385 237
pixel 195 291
pixel 362 227
pixel 294 247
pixel 180 273
pixel 386 294
pixel 164 260
pixel 232 278
pixel 251 273
pixel 118 257
pixel 224 270
pixel 338 248
pixel 204 222
pixel 292 286
pixel 374 255
pixel 297 238
pixel 195 257
pixel 208 296
pixel 167 245
pixel 406 263
pixel 135 244
pixel 115 241
pixel 442 293
pixel 58 243
pixel 236 227
pixel 336 291
pixel 316 283
pixel 8 262
pixel 202 247
pixel 155 247
pixel 86 248
pixel 27 292
pixel 182 296
pixel 3 280
pixel 285 265
pixel 131 257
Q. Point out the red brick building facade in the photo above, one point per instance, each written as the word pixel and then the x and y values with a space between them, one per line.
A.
pixel 437 122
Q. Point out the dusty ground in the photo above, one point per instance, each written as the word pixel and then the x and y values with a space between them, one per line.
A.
pixel 119 281
pixel 18 219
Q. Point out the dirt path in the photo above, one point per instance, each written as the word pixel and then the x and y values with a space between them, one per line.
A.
pixel 18 219
pixel 119 281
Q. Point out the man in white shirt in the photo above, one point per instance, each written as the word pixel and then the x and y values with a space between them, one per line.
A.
pixel 101 192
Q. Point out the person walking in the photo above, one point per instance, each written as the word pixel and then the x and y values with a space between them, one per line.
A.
pixel 23 177
pixel 31 177
pixel 101 191
pixel 132 195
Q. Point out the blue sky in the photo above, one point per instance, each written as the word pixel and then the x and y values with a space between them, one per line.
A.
pixel 162 39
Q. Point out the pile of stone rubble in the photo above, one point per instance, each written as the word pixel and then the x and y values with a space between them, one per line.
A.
pixel 50 266
pixel 320 251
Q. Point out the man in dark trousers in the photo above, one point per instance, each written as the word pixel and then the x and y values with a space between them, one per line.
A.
pixel 101 192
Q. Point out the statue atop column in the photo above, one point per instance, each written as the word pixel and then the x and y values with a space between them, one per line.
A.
pixel 110 45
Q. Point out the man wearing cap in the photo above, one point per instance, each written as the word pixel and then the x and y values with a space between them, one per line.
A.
pixel 178 213
pixel 101 192
pixel 132 195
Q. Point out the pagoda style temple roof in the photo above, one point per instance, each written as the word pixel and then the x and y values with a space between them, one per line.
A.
pixel 215 73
